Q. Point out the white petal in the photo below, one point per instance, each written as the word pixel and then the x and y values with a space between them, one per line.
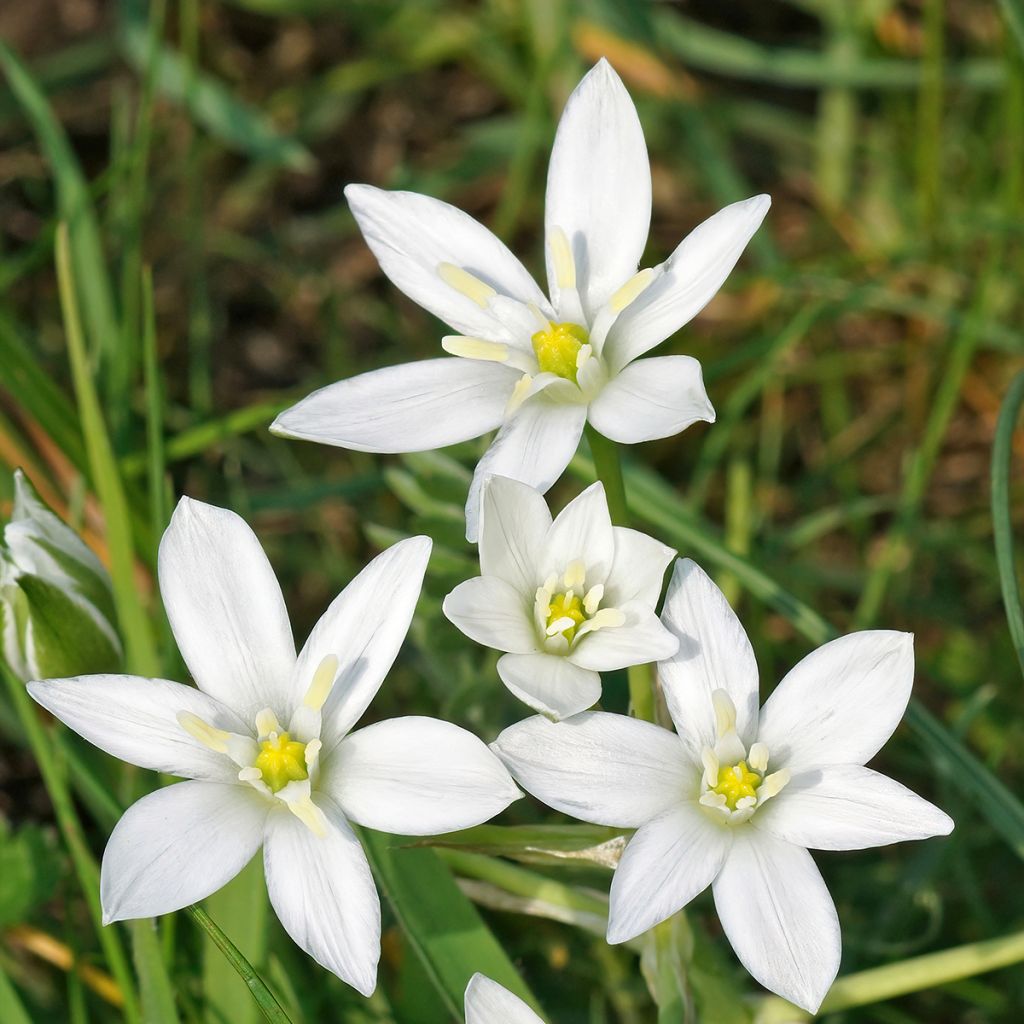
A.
pixel 691 277
pixel 847 807
pixel 669 861
pixel 487 1002
pixel 412 234
pixel 714 654
pixel 652 398
pixel 489 611
pixel 582 531
pixel 323 893
pixel 638 568
pixel 412 407
pixel 363 628
pixel 779 917
pixel 177 846
pixel 225 608
pixel 599 187
pixel 135 719
pixel 417 776
pixel 533 447
pixel 598 767
pixel 842 702
pixel 550 684
pixel 642 638
pixel 514 522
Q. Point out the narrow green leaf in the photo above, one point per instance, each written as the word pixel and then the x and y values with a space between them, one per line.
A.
pixel 1002 518
pixel 12 1009
pixel 538 844
pixel 442 925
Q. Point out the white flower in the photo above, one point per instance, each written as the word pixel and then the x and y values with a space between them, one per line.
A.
pixel 291 788
pixel 737 798
pixel 56 604
pixel 538 368
pixel 487 1002
pixel 566 599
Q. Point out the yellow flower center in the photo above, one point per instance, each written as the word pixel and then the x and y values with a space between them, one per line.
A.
pixel 567 606
pixel 557 348
pixel 737 782
pixel 281 760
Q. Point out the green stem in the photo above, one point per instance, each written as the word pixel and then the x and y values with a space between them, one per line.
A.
pixel 71 830
pixel 914 975
pixel 1002 523
pixel 265 999
pixel 609 471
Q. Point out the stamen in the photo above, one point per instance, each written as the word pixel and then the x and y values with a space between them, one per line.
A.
pixel 725 712
pixel 210 737
pixel 575 574
pixel 462 281
pixel 759 757
pixel 631 290
pixel 707 755
pixel 267 723
pixel 560 625
pixel 474 348
pixel 520 393
pixel 322 684
pixel 774 784
pixel 561 258
pixel 592 600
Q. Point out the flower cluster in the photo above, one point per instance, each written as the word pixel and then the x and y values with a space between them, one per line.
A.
pixel 732 797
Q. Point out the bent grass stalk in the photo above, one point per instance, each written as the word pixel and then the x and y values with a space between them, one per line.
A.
pixel 608 468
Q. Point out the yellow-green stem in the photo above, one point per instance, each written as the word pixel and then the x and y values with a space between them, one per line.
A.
pixel 608 469
pixel 71 829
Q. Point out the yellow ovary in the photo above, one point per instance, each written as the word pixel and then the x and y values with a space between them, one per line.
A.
pixel 557 348
pixel 736 783
pixel 281 760
pixel 567 606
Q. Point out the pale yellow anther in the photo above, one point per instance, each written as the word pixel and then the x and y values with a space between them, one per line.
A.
pixel 758 758
pixel 607 618
pixel 582 356
pixel 463 281
pixel 520 393
pixel 474 348
pixel 551 583
pixel 592 599
pixel 707 756
pixel 323 681
pixel 267 723
pixel 560 625
pixel 312 753
pixel 725 712
pixel 561 257
pixel 310 815
pixel 575 574
pixel 210 737
pixel 774 784
pixel 631 290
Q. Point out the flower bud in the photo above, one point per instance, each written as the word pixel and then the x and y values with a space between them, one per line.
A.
pixel 56 605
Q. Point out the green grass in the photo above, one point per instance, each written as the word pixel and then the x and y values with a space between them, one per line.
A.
pixel 181 165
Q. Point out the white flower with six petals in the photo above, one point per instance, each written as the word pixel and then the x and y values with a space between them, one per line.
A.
pixel 566 600
pixel 737 798
pixel 538 367
pixel 291 788
pixel 487 1002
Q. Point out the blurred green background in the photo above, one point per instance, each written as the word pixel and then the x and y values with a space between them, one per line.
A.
pixel 857 358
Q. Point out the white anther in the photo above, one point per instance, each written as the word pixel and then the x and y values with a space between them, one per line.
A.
pixel 575 574
pixel 474 348
pixel 707 756
pixel 322 684
pixel 312 755
pixel 592 600
pixel 758 757
pixel 562 259
pixel 725 712
pixel 585 353
pixel 773 784
pixel 605 618
pixel 560 625
pixel 211 737
pixel 462 281
pixel 267 724
pixel 631 290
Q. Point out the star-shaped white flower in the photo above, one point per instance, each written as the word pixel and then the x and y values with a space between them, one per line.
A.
pixel 266 746
pixel 737 798
pixel 487 1002
pixel 538 367
pixel 566 600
